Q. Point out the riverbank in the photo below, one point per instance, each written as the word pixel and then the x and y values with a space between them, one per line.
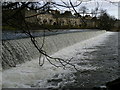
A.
pixel 96 58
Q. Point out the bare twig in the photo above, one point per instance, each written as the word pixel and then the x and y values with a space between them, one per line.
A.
pixel 25 27
pixel 76 11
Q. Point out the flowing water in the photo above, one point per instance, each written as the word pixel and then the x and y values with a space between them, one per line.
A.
pixel 21 50
pixel 93 54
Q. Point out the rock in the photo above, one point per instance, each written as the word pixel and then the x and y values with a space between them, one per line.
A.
pixel 55 80
pixel 114 85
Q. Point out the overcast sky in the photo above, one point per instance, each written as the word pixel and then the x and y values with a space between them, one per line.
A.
pixel 58 0
pixel 111 8
pixel 90 0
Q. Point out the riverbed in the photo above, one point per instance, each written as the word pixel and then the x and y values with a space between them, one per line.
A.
pixel 95 58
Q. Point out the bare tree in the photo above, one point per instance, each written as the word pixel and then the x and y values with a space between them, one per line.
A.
pixel 12 20
pixel 17 19
pixel 106 21
pixel 102 11
pixel 95 11
pixel 83 10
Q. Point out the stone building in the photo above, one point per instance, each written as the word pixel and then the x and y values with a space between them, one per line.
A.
pixel 91 22
pixel 46 19
pixel 53 18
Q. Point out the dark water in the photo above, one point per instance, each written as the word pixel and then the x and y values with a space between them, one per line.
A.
pixel 10 35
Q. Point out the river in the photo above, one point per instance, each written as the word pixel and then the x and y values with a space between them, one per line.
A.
pixel 10 35
pixel 96 58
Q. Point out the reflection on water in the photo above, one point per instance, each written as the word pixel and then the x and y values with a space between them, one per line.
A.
pixel 8 35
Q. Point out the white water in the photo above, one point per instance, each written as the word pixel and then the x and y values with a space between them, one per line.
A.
pixel 31 74
pixel 18 51
pixel 0 78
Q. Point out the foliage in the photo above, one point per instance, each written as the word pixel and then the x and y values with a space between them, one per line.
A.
pixel 67 13
pixel 106 22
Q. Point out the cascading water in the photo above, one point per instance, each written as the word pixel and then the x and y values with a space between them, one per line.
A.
pixel 96 59
pixel 21 50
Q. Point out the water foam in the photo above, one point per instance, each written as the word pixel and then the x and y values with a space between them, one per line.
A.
pixel 30 74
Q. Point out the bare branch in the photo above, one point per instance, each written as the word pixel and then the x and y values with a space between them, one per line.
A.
pixel 58 62
pixel 65 5
pixel 77 12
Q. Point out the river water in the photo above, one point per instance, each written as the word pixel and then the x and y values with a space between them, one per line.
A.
pixel 96 59
pixel 11 35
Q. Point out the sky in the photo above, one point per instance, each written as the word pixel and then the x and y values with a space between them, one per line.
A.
pixel 111 8
pixel 88 0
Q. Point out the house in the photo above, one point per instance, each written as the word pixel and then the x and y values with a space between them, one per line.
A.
pixel 52 18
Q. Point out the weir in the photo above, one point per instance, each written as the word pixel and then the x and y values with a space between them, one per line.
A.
pixel 21 50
